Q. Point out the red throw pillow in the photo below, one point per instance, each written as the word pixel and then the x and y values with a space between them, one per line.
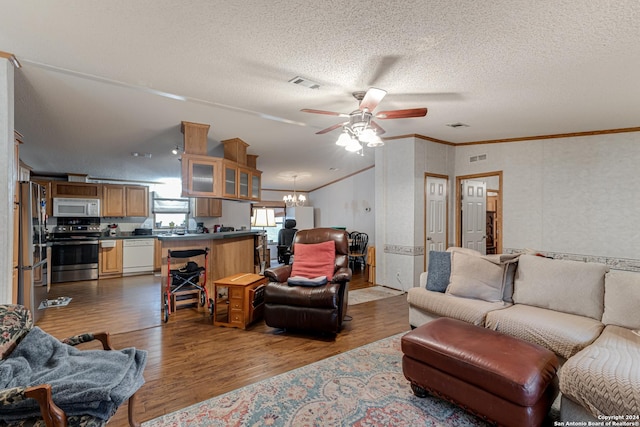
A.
pixel 313 260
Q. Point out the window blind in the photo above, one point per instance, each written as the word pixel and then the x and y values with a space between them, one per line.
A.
pixel 165 205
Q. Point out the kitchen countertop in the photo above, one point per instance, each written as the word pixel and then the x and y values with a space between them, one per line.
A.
pixel 173 236
pixel 128 236
pixel 206 236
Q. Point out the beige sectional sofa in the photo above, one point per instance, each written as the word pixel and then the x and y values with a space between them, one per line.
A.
pixel 589 316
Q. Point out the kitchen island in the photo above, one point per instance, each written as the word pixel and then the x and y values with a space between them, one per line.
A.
pixel 230 252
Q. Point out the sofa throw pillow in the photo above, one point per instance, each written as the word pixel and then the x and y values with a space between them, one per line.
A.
pixel 313 260
pixel 473 276
pixel 573 287
pixel 622 299
pixel 482 276
pixel 303 281
pixel 438 271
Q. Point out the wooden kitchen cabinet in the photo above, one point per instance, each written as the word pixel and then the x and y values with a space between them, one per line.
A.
pixel 256 185
pixel 214 177
pixel 76 189
pixel 110 258
pixel 244 183
pixel 206 207
pixel 201 176
pixel 230 175
pixel 157 255
pixel 113 202
pixel 125 200
pixel 137 200
pixel 249 183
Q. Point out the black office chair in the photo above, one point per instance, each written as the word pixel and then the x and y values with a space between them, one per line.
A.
pixel 285 239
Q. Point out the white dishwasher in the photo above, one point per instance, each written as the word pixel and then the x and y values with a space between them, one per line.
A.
pixel 137 256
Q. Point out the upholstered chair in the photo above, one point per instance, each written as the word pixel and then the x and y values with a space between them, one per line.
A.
pixel 48 382
pixel 296 297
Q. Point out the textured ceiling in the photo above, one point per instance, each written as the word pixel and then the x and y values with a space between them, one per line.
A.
pixel 101 79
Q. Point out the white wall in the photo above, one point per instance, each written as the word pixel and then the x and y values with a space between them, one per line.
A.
pixel 400 172
pixel 571 195
pixel 234 214
pixel 348 203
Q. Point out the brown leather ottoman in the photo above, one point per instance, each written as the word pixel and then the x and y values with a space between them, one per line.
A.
pixel 500 378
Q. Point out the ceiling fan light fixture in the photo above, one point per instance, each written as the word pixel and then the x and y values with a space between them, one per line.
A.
pixel 376 141
pixel 353 146
pixel 361 129
pixel 367 135
pixel 344 139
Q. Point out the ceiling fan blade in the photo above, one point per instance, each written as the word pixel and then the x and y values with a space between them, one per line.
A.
pixel 328 113
pixel 329 129
pixel 381 66
pixel 377 128
pixel 372 98
pixel 402 114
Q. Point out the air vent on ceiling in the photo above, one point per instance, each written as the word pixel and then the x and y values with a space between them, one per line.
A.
pixel 477 158
pixel 304 82
pixel 457 125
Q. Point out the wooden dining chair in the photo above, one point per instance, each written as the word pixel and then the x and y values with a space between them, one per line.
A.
pixel 358 248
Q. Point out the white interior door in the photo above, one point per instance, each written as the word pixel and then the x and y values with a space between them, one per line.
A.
pixel 436 215
pixel 474 215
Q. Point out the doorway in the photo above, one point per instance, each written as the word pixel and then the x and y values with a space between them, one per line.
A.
pixel 436 214
pixel 488 218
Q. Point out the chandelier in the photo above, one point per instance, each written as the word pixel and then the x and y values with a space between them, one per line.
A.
pixel 358 132
pixel 293 200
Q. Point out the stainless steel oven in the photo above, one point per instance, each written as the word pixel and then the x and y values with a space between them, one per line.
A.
pixel 75 250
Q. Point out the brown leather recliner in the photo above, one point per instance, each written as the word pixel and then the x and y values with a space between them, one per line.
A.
pixel 320 308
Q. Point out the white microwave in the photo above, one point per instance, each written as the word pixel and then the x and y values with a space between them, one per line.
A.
pixel 76 207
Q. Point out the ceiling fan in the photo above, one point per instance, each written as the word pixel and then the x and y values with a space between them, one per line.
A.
pixel 360 128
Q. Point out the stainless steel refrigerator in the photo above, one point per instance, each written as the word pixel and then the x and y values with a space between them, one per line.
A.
pixel 32 255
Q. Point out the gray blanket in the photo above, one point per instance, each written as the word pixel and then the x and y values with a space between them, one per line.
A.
pixel 93 382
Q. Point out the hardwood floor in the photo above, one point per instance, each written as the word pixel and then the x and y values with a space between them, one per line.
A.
pixel 190 360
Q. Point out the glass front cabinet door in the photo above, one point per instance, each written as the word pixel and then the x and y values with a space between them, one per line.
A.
pixel 230 187
pixel 256 177
pixel 244 180
pixel 203 176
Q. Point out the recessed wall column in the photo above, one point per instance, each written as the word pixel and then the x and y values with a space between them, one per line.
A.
pixel 8 177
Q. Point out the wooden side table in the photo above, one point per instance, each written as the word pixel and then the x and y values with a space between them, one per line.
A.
pixel 244 302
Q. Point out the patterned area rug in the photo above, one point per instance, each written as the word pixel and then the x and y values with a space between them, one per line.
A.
pixel 361 387
pixel 371 294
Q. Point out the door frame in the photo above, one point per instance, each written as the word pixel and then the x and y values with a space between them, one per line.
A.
pixel 425 211
pixel 459 180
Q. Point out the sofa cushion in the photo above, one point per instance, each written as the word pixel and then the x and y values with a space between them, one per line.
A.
pixel 446 305
pixel 605 377
pixel 15 323
pixel 314 259
pixel 438 271
pixel 567 286
pixel 478 276
pixel 622 299
pixel 564 334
